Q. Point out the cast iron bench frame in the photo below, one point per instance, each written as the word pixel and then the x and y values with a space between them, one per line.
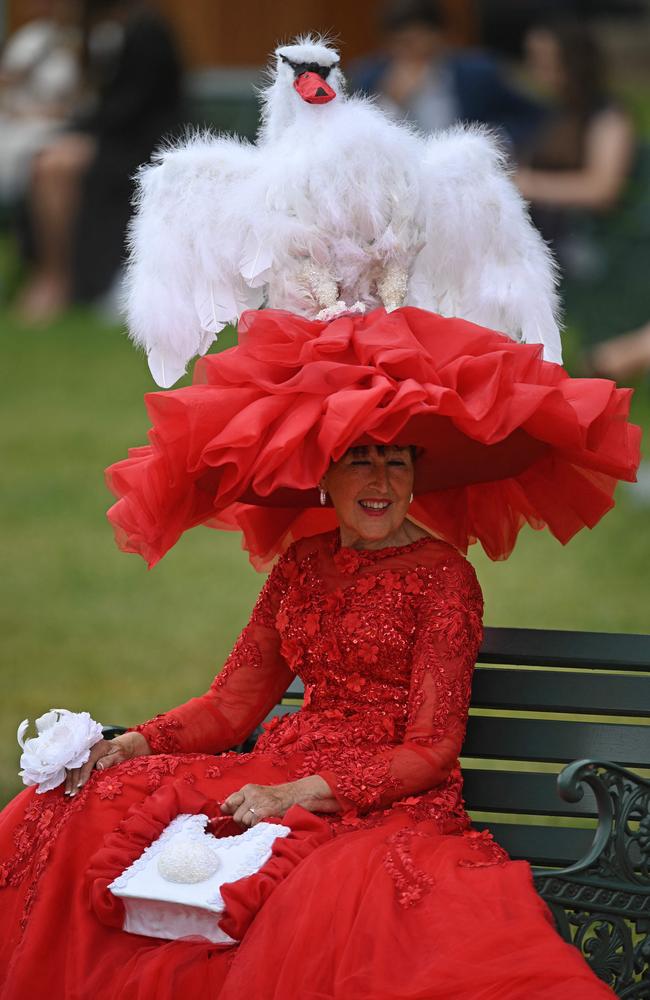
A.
pixel 601 902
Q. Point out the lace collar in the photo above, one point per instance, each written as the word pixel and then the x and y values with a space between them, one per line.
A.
pixel 349 560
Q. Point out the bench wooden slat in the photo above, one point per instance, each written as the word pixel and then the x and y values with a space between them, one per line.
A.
pixel 549 740
pixel 521 792
pixel 555 846
pixel 589 694
pixel 555 648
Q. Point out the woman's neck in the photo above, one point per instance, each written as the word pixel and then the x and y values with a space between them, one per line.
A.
pixel 406 533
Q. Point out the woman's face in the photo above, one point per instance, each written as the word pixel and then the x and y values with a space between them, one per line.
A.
pixel 544 60
pixel 370 489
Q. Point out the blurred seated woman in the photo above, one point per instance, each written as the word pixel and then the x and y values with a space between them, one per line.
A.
pixel 39 80
pixel 582 157
pixel 81 184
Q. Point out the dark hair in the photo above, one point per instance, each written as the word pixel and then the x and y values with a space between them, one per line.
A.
pixel 583 64
pixel 404 13
pixel 359 450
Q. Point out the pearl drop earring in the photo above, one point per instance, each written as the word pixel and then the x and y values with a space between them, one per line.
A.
pixel 323 496
pixel 411 498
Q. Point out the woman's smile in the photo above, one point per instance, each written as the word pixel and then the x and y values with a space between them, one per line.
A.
pixel 375 507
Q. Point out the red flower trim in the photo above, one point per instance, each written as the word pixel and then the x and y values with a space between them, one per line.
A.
pixel 244 898
pixel 143 823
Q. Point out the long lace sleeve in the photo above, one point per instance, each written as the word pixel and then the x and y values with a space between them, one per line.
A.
pixel 449 633
pixel 252 680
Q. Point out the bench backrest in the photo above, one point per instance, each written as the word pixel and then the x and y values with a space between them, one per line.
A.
pixel 540 700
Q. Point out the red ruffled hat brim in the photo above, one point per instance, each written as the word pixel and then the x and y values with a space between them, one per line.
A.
pixel 504 437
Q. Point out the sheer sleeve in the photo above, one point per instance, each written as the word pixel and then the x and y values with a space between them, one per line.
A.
pixel 449 633
pixel 251 682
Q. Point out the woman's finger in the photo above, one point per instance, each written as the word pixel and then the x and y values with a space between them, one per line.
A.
pixel 84 772
pixel 232 803
pixel 114 756
pixel 99 761
pixel 243 815
pixel 255 815
pixel 71 779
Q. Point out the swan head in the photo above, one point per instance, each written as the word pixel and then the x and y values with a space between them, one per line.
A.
pixel 304 77
pixel 310 69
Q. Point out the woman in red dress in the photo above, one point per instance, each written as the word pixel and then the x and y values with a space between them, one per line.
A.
pixel 392 893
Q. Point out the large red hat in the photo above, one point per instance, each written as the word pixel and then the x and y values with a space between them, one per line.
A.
pixel 504 438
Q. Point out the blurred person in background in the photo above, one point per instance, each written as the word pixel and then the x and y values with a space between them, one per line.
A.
pixel 81 185
pixel 39 79
pixel 624 357
pixel 582 157
pixel 422 78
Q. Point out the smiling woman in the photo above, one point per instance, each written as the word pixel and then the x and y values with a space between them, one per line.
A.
pixel 370 601
pixel 371 489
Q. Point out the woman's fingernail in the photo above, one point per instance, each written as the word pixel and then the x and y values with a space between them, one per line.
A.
pixel 99 765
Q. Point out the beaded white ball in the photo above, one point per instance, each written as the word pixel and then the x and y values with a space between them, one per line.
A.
pixel 187 861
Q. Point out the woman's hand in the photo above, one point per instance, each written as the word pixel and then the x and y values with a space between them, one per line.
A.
pixel 253 803
pixel 105 754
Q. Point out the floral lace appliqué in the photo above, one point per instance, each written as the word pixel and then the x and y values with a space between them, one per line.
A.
pixel 109 787
pixel 245 653
pixel 411 883
pixel 363 779
pixel 161 734
pixel 487 850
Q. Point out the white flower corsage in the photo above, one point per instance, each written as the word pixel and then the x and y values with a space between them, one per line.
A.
pixel 63 742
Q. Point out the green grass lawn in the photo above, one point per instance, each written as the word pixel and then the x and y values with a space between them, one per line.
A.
pixel 85 626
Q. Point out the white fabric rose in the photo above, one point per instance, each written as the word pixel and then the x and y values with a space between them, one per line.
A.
pixel 64 741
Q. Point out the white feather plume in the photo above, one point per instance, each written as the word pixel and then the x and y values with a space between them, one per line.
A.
pixel 187 239
pixel 482 258
pixel 341 189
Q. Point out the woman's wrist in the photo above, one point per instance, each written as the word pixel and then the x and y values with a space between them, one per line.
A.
pixel 312 793
pixel 133 743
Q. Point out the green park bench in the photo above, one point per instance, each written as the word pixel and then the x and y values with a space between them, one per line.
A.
pixel 579 703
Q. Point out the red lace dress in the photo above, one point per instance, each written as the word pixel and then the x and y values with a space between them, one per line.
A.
pixel 402 899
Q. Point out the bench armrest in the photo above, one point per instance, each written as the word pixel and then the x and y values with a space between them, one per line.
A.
pixel 621 844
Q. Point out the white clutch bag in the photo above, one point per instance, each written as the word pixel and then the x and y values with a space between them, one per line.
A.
pixel 173 889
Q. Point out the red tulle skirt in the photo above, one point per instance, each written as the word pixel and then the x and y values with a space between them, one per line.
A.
pixel 396 911
pixel 504 438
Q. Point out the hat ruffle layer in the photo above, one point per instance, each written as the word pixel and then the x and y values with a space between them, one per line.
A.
pixel 504 438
